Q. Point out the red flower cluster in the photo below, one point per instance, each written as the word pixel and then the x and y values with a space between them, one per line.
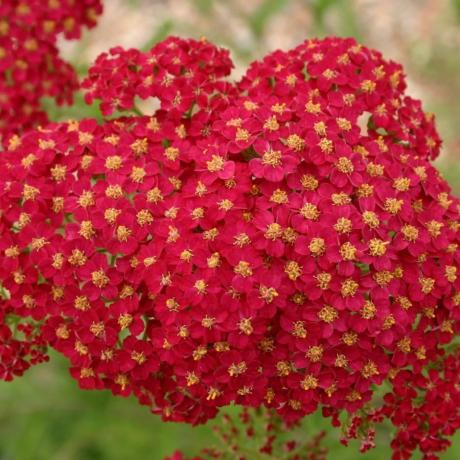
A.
pixel 118 77
pixel 423 406
pixel 425 409
pixel 18 353
pixel 30 66
pixel 282 241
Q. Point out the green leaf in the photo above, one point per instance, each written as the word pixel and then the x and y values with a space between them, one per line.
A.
pixel 204 6
pixel 456 7
pixel 163 30
pixel 78 110
pixel 321 7
pixel 259 19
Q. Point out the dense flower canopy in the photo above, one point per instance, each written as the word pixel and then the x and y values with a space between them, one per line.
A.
pixel 281 241
pixel 30 65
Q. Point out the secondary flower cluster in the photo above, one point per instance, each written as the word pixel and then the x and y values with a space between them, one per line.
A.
pixel 283 241
pixel 424 408
pixel 181 74
pixel 30 66
pixel 18 353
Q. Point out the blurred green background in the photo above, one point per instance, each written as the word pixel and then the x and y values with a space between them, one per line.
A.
pixel 44 416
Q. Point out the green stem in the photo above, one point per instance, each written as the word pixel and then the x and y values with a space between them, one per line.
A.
pixel 137 111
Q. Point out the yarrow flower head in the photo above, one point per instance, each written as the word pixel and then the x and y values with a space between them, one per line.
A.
pixel 30 65
pixel 282 241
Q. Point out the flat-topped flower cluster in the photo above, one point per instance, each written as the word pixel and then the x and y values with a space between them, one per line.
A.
pixel 281 241
pixel 30 65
